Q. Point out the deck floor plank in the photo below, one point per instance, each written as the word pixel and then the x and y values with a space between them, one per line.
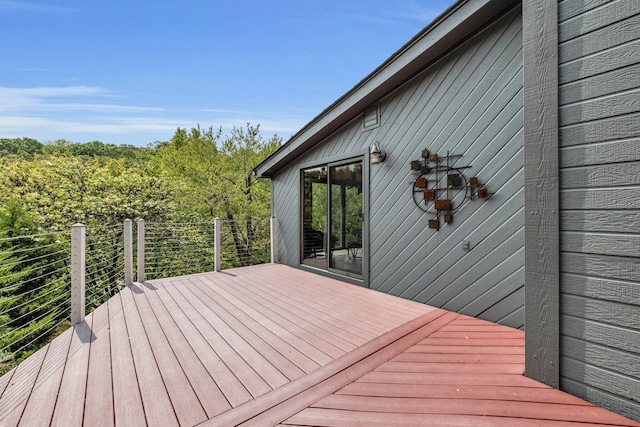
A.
pixel 334 311
pixel 227 349
pixel 474 335
pixel 284 309
pixel 542 412
pixel 445 367
pixel 208 394
pixel 435 391
pixel 400 339
pixel 457 358
pixel 356 318
pixel 458 348
pixel 42 400
pixel 480 342
pixel 241 338
pixel 304 338
pixel 266 340
pixel 393 377
pixel 158 408
pixel 127 400
pixel 218 390
pixel 454 392
pixel 331 297
pixel 321 417
pixel 98 408
pixel 74 379
pixel 302 309
pixel 378 310
pixel 232 389
pixel 274 403
pixel 5 380
pixel 263 327
pixel 253 383
pixel 20 383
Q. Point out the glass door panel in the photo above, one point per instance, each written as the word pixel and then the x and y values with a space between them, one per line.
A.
pixel 345 221
pixel 314 217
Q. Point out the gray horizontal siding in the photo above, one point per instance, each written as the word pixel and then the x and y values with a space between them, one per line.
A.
pixel 599 118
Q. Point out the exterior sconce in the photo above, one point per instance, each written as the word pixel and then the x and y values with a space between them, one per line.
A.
pixel 376 154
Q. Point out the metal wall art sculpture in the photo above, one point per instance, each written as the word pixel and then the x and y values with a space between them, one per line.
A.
pixel 441 188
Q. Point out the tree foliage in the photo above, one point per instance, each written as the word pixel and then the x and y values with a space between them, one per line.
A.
pixel 64 190
pixel 33 298
pixel 24 148
pixel 45 188
pixel 218 172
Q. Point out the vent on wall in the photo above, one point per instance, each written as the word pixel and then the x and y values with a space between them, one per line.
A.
pixel 371 118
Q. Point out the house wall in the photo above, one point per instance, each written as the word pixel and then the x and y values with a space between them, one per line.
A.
pixel 599 145
pixel 470 103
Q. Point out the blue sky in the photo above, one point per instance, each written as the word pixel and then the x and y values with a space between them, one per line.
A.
pixel 131 72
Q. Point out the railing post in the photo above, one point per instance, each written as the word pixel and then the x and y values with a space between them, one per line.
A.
pixel 141 250
pixel 216 237
pixel 78 268
pixel 273 228
pixel 128 252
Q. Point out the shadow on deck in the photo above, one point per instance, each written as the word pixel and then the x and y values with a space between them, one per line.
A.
pixel 273 345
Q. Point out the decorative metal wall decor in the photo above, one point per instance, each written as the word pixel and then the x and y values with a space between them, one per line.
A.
pixel 441 188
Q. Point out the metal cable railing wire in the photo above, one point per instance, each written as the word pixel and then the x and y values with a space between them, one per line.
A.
pixel 36 279
pixel 104 264
pixel 34 292
pixel 245 242
pixel 175 249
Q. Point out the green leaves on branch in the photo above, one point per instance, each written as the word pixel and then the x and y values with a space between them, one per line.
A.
pixel 61 191
pixel 217 170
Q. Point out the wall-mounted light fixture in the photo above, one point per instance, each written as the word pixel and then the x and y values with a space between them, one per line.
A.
pixel 377 155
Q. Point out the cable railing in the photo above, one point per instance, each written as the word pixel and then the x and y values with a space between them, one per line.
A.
pixel 50 281
pixel 35 293
pixel 245 242
pixel 104 272
pixel 176 249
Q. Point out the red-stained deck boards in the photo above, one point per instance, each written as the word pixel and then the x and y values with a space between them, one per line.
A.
pixel 273 345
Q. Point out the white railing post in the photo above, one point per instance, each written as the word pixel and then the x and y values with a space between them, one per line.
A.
pixel 141 250
pixel 128 252
pixel 78 268
pixel 216 237
pixel 273 229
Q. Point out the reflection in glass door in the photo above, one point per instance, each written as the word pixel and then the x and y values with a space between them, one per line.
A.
pixel 345 221
pixel 314 217
pixel 332 218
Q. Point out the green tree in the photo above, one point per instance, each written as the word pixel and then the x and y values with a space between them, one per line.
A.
pixel 218 171
pixel 33 295
pixel 133 156
pixel 63 190
pixel 24 148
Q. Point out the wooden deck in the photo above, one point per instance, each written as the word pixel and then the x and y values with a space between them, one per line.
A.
pixel 272 345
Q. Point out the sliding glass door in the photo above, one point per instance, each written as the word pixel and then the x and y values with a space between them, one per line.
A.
pixel 332 217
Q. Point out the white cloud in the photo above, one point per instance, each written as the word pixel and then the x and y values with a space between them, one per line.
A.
pixel 48 91
pixel 20 6
pixel 19 125
pixel 78 113
pixel 33 100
